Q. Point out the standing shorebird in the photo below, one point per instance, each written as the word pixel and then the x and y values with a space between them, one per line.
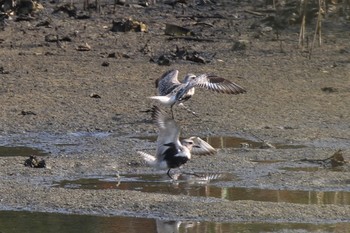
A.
pixel 171 152
pixel 171 91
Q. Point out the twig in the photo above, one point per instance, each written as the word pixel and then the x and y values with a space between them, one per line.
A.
pixel 190 38
pixel 317 29
pixel 215 16
pixel 302 26
pixel 254 13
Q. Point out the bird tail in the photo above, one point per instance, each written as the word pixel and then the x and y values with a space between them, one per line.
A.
pixel 149 159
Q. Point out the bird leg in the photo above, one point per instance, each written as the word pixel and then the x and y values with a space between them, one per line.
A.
pixel 168 173
pixel 187 109
pixel 172 113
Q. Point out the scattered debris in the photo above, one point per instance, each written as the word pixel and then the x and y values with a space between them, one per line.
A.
pixel 51 38
pixel 195 57
pixel 240 45
pixel 163 60
pixel 185 55
pixel 83 47
pixel 134 163
pixel 245 145
pixel 118 55
pixel 174 30
pixel 127 25
pixel 7 6
pixel 335 160
pixel 24 18
pixel 329 89
pixel 68 8
pixel 82 15
pixel 146 49
pixel 34 162
pixel 25 9
pixel 95 95
pixel 56 38
pixel 105 63
pixel 3 71
pixel 178 32
pixel 25 113
pixel 254 13
pixel 112 55
pixel 267 145
pixel 44 23
pixel 191 38
pixel 120 2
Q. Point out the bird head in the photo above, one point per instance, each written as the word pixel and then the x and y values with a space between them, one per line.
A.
pixel 189 143
pixel 189 77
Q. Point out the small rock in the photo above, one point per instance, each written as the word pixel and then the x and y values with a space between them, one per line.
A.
pixel 127 25
pixel 44 23
pixel 112 55
pixel 24 113
pixel 267 29
pixel 105 63
pixel 3 71
pixel 51 38
pixel 33 162
pixel 94 95
pixel 174 30
pixel 240 45
pixel 329 89
pixel 68 8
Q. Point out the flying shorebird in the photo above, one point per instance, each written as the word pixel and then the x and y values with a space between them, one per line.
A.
pixel 171 152
pixel 171 91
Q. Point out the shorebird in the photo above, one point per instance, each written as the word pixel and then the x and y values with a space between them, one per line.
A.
pixel 171 152
pixel 171 91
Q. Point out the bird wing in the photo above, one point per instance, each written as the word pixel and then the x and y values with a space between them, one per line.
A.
pixel 167 82
pixel 169 131
pixel 201 147
pixel 217 84
pixel 149 159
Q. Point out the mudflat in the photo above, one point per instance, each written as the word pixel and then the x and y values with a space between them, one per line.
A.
pixel 88 109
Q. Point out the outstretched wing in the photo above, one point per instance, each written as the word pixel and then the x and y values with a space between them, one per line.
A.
pixel 167 82
pixel 169 131
pixel 149 159
pixel 217 84
pixel 201 147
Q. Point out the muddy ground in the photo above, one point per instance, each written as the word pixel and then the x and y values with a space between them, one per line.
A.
pixel 47 88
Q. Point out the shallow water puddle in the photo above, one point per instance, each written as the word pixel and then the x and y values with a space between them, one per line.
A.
pixel 237 142
pixel 311 169
pixel 27 222
pixel 20 151
pixel 301 169
pixel 234 142
pixel 26 144
pixel 218 187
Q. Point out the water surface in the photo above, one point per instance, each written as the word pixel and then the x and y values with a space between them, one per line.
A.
pixel 35 222
pixel 219 187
